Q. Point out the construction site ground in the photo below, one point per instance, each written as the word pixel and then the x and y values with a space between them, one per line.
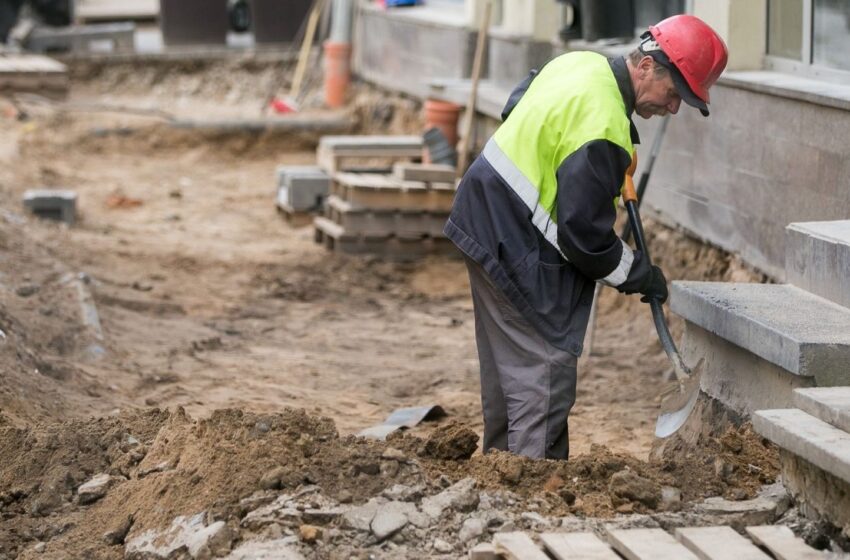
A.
pixel 239 357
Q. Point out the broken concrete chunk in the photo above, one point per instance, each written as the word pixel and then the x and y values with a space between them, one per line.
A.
pixel 390 519
pixel 360 517
pixel 472 528
pixel 190 533
pixel 95 488
pixel 277 549
pixel 462 497
pixel 758 511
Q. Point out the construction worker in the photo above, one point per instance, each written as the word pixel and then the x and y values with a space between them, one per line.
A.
pixel 534 217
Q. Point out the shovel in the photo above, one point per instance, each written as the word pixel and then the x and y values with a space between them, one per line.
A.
pixel 678 403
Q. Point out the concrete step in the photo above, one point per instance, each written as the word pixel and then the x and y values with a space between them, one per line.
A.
pixel 802 333
pixel 301 187
pixel 819 443
pixel 830 404
pixel 817 258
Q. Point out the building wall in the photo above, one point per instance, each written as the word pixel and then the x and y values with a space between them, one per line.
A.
pixel 758 163
pixel 406 49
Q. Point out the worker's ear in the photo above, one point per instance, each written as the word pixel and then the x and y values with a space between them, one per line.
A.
pixel 646 66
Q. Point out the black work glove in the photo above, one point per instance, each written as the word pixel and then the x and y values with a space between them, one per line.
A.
pixel 655 286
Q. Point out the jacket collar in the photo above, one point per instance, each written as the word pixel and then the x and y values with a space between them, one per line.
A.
pixel 624 83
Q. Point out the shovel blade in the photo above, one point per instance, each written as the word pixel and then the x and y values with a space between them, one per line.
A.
pixel 678 405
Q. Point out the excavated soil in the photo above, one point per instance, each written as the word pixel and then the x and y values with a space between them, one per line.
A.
pixel 236 357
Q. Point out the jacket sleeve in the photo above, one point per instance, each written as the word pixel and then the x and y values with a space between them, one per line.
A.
pixel 588 182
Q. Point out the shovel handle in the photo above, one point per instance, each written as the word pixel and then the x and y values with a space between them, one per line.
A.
pixel 629 192
pixel 679 368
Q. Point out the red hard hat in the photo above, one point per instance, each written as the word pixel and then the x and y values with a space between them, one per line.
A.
pixel 694 48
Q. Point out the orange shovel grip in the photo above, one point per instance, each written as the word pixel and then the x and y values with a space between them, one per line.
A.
pixel 629 192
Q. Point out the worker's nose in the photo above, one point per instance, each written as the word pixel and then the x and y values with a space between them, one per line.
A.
pixel 673 106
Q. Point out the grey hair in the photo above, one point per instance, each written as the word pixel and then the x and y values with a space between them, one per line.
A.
pixel 659 70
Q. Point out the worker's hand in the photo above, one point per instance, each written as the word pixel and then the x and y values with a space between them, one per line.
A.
pixel 655 286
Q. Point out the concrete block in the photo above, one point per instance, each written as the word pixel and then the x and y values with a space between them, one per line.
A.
pixel 349 153
pixel 800 332
pixel 817 258
pixel 797 432
pixel 94 38
pixel 301 188
pixel 830 404
pixel 58 205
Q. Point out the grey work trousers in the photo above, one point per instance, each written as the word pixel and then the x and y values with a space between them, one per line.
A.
pixel 527 385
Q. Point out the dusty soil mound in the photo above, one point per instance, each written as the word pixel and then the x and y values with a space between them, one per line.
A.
pixel 162 465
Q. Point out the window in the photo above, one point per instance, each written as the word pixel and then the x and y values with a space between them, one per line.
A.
pixel 809 37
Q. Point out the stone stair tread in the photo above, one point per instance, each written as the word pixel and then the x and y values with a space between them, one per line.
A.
pixel 783 543
pixel 817 258
pixel 830 404
pixel 818 442
pixel 803 333
pixel 718 543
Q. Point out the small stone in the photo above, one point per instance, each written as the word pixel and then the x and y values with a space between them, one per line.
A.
pixel 161 467
pixel 40 547
pixel 670 495
pixel 94 489
pixel 344 497
pixel 272 480
pixel 369 468
pixel 393 454
pixel 116 535
pixel 310 533
pixel 390 519
pixel 262 427
pixel 568 496
pixel 723 469
pixel 389 469
pixel 472 528
pixel 442 546
pixel 510 469
pixel 26 290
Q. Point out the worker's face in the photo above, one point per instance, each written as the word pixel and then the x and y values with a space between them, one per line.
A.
pixel 655 93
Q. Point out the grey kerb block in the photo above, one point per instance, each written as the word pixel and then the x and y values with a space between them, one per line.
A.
pixel 53 204
pixel 104 37
pixel 817 258
pixel 819 443
pixel 800 332
pixel 301 188
pixel 830 404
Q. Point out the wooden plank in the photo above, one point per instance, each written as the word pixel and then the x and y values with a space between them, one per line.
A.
pixel 578 546
pixel 517 546
pixel 719 543
pixel 783 543
pixel 648 544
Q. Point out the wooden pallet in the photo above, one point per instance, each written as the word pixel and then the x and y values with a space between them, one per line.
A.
pixel 359 219
pixel 386 192
pixel 693 543
pixel 294 218
pixel 399 247
pixel 31 73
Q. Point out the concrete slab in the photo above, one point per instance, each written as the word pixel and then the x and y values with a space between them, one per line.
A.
pixel 817 258
pixel 800 332
pixel 53 204
pixel 301 187
pixel 819 443
pixel 95 38
pixel 830 404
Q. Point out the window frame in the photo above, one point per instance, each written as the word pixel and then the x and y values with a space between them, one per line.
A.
pixel 805 66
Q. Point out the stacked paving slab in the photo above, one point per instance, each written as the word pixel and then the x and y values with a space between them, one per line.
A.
pixel 780 355
pixel 301 191
pixel 382 201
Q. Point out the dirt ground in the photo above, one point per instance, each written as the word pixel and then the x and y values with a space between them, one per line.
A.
pixel 231 345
